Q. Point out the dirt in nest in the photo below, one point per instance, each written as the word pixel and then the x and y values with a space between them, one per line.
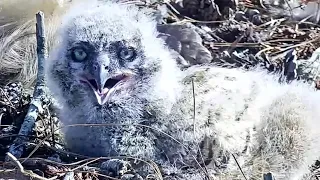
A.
pixel 223 32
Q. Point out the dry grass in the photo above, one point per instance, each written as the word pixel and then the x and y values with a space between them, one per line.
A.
pixel 17 36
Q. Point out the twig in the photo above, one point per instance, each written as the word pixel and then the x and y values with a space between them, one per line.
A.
pixel 318 14
pixel 290 8
pixel 244 176
pixel 1 115
pixel 16 162
pixel 299 45
pixel 94 160
pixel 21 168
pixel 262 5
pixel 194 107
pixel 35 107
pixel 194 126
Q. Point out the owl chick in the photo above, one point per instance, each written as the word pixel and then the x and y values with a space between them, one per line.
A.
pixel 109 68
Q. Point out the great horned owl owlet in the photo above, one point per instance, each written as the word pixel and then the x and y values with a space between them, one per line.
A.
pixel 109 67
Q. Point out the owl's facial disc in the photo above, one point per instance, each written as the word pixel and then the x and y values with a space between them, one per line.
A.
pixel 104 91
pixel 98 74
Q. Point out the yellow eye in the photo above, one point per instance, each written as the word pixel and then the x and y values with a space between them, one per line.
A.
pixel 127 53
pixel 79 54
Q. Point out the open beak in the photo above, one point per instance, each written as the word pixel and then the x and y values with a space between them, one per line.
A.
pixel 104 88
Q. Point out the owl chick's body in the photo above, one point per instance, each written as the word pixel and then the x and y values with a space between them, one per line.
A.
pixel 109 67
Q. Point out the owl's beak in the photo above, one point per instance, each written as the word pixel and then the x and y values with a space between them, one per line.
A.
pixel 103 89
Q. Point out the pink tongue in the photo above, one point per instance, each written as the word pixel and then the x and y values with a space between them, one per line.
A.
pixel 102 97
pixel 104 91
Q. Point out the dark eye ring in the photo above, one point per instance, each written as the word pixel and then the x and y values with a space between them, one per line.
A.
pixel 127 53
pixel 79 54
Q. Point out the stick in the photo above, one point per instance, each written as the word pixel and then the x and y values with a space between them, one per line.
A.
pixel 21 169
pixel 19 144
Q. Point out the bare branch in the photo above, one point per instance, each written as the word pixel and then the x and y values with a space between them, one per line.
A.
pixel 18 146
pixel 21 169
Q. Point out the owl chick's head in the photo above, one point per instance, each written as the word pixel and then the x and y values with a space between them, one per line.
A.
pixel 110 53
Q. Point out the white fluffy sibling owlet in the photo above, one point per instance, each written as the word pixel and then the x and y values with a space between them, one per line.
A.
pixel 109 67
